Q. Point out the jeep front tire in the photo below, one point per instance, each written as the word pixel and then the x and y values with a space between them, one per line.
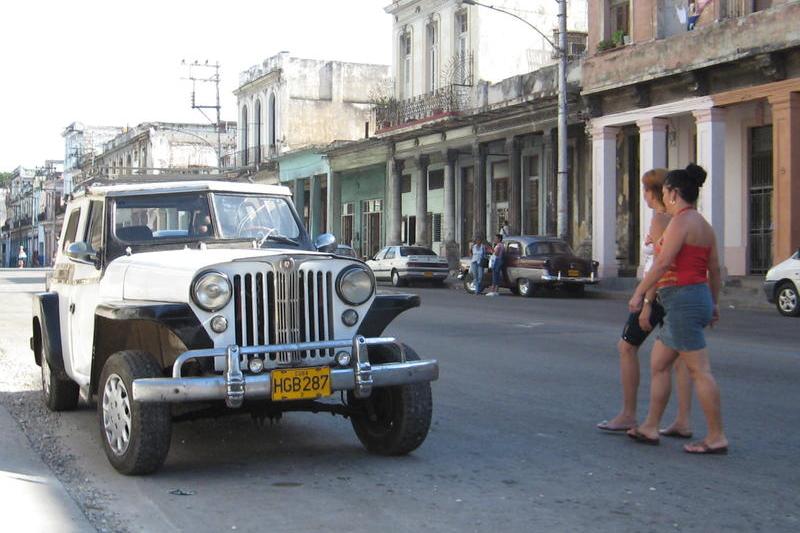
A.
pixel 136 436
pixel 393 420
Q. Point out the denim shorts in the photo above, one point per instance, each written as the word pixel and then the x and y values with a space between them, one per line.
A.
pixel 688 311
pixel 633 333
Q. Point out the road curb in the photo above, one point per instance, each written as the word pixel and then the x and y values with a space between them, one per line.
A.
pixel 33 499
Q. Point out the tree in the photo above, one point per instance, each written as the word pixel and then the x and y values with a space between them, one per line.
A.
pixel 4 177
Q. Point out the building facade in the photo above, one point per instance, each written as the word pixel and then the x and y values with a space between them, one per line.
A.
pixel 34 211
pixel 82 144
pixel 718 83
pixel 287 104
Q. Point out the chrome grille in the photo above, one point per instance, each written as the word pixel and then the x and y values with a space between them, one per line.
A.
pixel 285 306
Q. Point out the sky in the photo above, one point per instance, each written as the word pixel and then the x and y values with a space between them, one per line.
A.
pixel 114 63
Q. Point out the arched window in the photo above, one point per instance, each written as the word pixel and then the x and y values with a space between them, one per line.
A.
pixel 258 130
pixel 433 55
pixel 245 140
pixel 273 115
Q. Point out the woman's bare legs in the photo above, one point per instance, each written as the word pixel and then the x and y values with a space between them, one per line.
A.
pixel 629 377
pixel 708 395
pixel 661 361
pixel 681 424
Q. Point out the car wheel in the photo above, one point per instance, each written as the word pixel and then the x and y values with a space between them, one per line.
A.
pixel 59 394
pixel 788 300
pixel 525 287
pixel 397 281
pixel 393 420
pixel 575 290
pixel 136 436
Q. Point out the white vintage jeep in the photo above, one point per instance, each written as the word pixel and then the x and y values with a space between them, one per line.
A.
pixel 210 292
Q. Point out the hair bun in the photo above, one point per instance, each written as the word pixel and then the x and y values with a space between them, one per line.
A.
pixel 697 174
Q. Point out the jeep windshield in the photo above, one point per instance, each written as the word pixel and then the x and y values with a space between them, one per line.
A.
pixel 190 217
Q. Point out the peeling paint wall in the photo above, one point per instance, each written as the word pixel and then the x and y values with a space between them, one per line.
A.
pixel 315 102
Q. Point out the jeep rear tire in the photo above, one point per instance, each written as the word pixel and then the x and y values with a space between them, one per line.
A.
pixel 393 420
pixel 59 394
pixel 136 436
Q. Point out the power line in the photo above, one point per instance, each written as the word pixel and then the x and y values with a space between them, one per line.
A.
pixel 213 78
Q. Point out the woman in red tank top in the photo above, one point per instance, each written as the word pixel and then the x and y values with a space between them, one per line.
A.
pixel 686 272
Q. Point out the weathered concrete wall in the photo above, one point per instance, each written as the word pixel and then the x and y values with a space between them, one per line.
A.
pixel 721 42
pixel 501 45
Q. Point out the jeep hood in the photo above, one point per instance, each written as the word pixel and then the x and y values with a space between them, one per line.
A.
pixel 165 276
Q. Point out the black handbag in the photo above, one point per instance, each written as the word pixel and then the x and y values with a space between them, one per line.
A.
pixel 485 262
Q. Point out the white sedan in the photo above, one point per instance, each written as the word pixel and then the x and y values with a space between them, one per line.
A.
pixel 782 286
pixel 401 264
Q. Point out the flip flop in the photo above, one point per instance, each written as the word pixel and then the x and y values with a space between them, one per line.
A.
pixel 674 433
pixel 642 438
pixel 605 427
pixel 705 449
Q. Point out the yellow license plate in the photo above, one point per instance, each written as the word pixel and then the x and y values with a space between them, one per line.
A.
pixel 301 383
pixel 428 274
pixel 573 273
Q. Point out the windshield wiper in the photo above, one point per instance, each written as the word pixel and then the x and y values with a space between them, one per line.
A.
pixel 277 237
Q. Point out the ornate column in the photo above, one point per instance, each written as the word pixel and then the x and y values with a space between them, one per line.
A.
pixel 395 174
pixel 334 202
pixel 652 154
pixel 479 155
pixel 514 151
pixel 315 211
pixel 711 156
pixel 421 179
pixel 604 209
pixel 449 222
pixel 786 175
pixel 299 187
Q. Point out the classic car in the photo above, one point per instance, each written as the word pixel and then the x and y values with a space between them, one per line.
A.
pixel 782 286
pixel 402 264
pixel 194 297
pixel 533 262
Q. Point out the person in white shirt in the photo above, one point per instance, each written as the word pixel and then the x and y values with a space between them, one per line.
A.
pixel 505 231
pixel 475 265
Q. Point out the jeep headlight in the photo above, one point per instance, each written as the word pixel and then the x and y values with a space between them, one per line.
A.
pixel 355 285
pixel 211 290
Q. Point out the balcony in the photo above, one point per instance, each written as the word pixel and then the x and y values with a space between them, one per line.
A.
pixel 448 101
pixel 255 156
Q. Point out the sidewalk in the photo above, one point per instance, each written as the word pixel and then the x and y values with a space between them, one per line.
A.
pixel 31 498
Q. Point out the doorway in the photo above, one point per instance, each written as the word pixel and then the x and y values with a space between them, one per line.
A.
pixel 760 200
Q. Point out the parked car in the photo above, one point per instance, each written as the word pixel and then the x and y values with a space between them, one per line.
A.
pixel 782 286
pixel 345 250
pixel 402 264
pixel 533 262
pixel 211 295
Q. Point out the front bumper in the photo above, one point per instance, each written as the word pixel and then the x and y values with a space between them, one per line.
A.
pixel 234 387
pixel 769 290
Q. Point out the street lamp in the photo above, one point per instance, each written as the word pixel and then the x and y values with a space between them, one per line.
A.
pixel 561 50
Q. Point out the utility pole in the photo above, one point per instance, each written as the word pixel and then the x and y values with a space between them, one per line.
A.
pixel 563 173
pixel 562 181
pixel 210 78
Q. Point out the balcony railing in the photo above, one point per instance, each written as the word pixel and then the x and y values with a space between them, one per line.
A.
pixel 450 100
pixel 255 156
pixel 735 8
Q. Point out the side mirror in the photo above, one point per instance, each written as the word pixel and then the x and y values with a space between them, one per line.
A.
pixel 325 243
pixel 81 252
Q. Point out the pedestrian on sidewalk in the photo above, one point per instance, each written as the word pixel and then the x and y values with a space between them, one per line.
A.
pixel 496 265
pixel 476 264
pixel 687 272
pixel 505 230
pixel 640 324
pixel 21 257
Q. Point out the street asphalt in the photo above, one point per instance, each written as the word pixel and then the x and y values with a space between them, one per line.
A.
pixel 513 445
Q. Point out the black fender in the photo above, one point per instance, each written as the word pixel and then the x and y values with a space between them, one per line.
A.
pixel 384 309
pixel 48 340
pixel 163 330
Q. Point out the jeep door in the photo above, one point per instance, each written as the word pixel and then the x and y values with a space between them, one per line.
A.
pixel 86 291
pixel 61 281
